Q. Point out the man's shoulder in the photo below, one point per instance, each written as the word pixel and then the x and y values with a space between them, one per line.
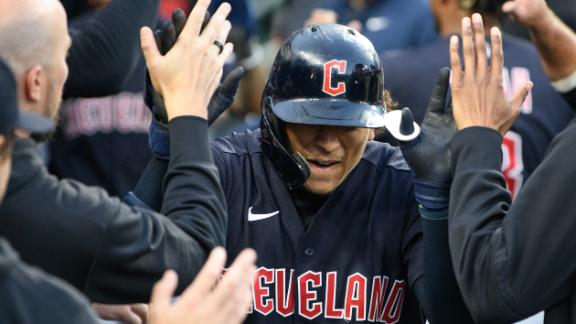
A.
pixel 383 155
pixel 31 181
pixel 239 144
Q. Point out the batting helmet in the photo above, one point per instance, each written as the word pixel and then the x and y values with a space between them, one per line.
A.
pixel 323 75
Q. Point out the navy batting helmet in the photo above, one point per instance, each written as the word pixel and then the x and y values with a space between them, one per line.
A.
pixel 323 75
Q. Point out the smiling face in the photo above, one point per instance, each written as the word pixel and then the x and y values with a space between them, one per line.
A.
pixel 330 151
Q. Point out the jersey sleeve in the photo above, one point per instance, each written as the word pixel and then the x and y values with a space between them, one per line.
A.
pixel 412 241
pixel 504 253
pixel 106 48
pixel 145 243
pixel 29 295
pixel 118 252
pixel 570 96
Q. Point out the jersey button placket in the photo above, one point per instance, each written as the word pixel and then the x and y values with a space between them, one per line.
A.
pixel 309 251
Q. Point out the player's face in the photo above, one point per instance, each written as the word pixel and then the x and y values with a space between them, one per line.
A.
pixel 331 152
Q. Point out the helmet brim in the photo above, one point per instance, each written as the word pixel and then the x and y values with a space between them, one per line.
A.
pixel 330 112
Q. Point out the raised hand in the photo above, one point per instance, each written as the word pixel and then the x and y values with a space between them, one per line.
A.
pixel 127 314
pixel 527 12
pixel 477 91
pixel 206 300
pixel 429 154
pixel 187 75
pixel 166 38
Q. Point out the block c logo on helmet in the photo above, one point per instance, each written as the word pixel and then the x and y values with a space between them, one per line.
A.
pixel 340 66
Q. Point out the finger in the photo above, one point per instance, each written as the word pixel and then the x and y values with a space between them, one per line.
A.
pixel 179 20
pixel 224 96
pixel 438 98
pixel 163 290
pixel 232 80
pixel 222 35
pixel 468 49
pixel 455 65
pixel 356 25
pixel 149 48
pixel 130 318
pixel 121 313
pixel 206 278
pixel 228 49
pixel 218 21
pixel 236 308
pixel 480 41
pixel 509 7
pixel 520 95
pixel 168 37
pixel 194 23
pixel 497 61
pixel 141 310
pixel 238 278
pixel 158 40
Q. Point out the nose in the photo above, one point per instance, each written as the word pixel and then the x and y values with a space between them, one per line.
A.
pixel 327 138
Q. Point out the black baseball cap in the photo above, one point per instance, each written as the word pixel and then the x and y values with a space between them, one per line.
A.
pixel 10 116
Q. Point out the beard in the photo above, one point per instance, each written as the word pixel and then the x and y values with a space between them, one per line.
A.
pixel 52 111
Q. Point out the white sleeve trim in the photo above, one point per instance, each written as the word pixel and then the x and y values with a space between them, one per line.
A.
pixel 566 84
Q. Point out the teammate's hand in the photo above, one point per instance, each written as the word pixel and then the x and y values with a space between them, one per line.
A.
pixel 221 100
pixel 128 314
pixel 477 92
pixel 527 12
pixel 225 94
pixel 429 154
pixel 189 73
pixel 207 300
pixel 327 16
pixel 321 16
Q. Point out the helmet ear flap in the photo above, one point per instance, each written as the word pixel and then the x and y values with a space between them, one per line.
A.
pixel 292 167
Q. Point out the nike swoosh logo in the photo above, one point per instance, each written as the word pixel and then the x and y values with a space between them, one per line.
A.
pixel 256 217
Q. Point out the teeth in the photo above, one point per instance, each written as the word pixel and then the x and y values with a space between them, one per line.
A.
pixel 323 163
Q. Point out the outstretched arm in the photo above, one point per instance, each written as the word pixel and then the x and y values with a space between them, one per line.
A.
pixel 429 158
pixel 555 41
pixel 503 252
pixel 187 77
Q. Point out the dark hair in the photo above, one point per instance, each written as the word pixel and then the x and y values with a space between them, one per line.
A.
pixel 391 104
pixel 483 7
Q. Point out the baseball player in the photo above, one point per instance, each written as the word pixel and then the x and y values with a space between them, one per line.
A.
pixel 512 259
pixel 331 214
pixel 544 113
pixel 313 195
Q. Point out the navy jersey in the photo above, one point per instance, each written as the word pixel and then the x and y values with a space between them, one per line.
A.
pixel 410 77
pixel 357 261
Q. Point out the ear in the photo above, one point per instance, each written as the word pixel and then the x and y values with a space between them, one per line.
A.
pixel 34 82
pixel 2 147
pixel 371 135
